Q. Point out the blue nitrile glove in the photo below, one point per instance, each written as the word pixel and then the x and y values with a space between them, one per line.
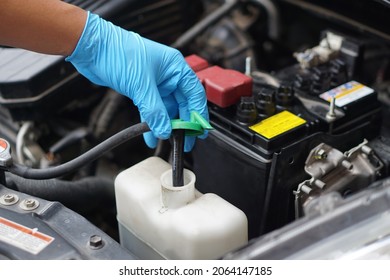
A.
pixel 156 77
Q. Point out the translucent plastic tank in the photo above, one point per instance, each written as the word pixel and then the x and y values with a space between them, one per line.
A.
pixel 157 220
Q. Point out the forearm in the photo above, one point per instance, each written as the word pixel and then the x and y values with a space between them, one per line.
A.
pixel 46 26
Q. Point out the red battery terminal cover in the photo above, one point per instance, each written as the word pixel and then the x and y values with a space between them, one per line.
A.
pixel 196 62
pixel 224 87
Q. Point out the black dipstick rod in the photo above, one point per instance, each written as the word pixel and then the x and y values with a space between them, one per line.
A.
pixel 178 160
pixel 180 128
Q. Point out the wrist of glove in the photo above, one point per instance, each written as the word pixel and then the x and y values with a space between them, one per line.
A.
pixel 156 77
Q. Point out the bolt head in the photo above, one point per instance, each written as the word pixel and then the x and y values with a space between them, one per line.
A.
pixel 95 242
pixel 9 198
pixel 29 204
pixel 321 154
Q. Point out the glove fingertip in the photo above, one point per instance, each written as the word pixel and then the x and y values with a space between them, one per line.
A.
pixel 204 135
pixel 189 143
pixel 165 134
pixel 150 140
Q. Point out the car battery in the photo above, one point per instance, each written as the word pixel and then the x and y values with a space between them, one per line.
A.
pixel 255 156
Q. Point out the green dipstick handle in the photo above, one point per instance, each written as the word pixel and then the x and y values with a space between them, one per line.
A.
pixel 195 127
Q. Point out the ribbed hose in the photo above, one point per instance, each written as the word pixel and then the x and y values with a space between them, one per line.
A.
pixel 89 189
pixel 89 156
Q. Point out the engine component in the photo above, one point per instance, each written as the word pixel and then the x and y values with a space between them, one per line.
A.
pixel 356 227
pixel 331 171
pixel 170 222
pixel 33 228
pixel 324 52
pixel 258 146
pixel 96 190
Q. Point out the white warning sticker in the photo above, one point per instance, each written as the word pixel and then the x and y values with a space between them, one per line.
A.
pixel 30 240
pixel 347 93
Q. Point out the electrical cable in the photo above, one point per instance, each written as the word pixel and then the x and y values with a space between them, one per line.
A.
pixel 91 155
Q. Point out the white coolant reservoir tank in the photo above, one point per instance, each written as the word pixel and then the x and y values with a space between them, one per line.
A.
pixel 157 220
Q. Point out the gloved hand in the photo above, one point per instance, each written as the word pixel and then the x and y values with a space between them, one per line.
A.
pixel 156 77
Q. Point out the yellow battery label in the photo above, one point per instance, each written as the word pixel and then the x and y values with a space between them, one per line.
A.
pixel 277 124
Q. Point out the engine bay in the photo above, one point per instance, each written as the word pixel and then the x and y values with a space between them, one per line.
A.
pixel 298 96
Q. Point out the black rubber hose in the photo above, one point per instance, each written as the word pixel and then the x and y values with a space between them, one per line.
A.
pixel 208 21
pixel 89 156
pixel 70 193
